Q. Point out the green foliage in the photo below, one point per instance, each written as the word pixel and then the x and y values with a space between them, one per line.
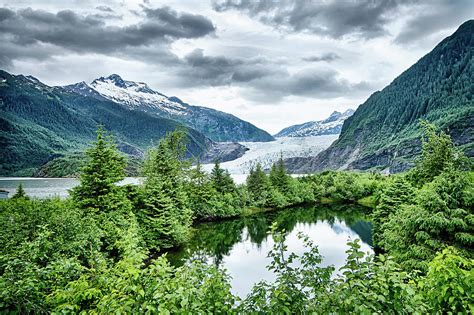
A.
pixel 97 190
pixel 45 244
pixel 344 186
pixel 279 179
pixel 441 214
pixel 293 287
pixel 397 191
pixel 448 284
pixel 258 186
pixel 165 217
pixel 221 180
pixel 438 155
pixel 20 193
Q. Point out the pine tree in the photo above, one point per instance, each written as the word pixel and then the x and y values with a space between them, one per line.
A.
pixel 397 192
pixel 278 176
pixel 20 193
pixel 166 217
pixel 200 192
pixel 221 180
pixel 258 185
pixel 105 167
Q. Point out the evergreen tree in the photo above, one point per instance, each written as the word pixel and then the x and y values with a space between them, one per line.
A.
pixel 20 193
pixel 278 176
pixel 200 192
pixel 397 192
pixel 221 180
pixel 258 186
pixel 438 154
pixel 166 217
pixel 105 167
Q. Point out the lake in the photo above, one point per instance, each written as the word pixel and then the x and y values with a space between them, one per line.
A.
pixel 241 245
pixel 47 187
pixel 51 187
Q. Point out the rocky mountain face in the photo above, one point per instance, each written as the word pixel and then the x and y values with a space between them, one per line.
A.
pixel 216 125
pixel 384 133
pixel 329 126
pixel 40 123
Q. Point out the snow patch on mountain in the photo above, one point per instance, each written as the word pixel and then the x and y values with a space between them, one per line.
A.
pixel 330 126
pixel 135 94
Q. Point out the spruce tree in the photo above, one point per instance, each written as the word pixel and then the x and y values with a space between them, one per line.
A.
pixel 278 176
pixel 200 192
pixel 258 185
pixel 397 192
pixel 20 193
pixel 166 217
pixel 104 168
pixel 221 180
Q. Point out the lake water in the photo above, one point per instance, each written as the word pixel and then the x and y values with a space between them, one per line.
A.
pixel 47 187
pixel 240 246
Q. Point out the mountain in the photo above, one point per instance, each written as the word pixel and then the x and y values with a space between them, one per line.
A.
pixel 216 125
pixel 330 126
pixel 384 132
pixel 40 123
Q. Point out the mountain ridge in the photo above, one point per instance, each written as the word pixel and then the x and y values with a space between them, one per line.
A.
pixel 329 126
pixel 384 133
pixel 39 123
pixel 217 125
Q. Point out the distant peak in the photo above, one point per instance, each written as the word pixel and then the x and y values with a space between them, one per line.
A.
pixel 113 78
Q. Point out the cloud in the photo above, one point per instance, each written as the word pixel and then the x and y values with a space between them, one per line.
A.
pixel 336 19
pixel 433 17
pixel 105 9
pixel 70 31
pixel 328 57
pixel 262 78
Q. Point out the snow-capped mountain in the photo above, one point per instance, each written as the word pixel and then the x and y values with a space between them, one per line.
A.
pixel 218 126
pixel 330 126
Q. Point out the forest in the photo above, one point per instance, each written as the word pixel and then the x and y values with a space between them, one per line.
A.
pixel 103 249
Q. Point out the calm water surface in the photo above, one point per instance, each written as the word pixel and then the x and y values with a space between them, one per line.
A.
pixel 241 246
pixel 47 187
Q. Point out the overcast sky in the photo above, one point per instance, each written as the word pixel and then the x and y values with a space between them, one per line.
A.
pixel 273 63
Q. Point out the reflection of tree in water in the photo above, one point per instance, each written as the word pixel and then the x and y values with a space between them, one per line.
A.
pixel 257 228
pixel 213 241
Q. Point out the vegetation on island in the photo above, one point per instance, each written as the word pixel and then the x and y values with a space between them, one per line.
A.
pixel 103 249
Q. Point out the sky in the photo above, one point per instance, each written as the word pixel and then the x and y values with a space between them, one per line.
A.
pixel 272 63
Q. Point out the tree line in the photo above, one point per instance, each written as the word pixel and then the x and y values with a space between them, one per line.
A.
pixel 99 251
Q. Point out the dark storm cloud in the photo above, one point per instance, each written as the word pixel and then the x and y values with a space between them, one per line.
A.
pixel 435 16
pixel 263 77
pixel 196 69
pixel 316 82
pixel 90 33
pixel 328 57
pixel 336 19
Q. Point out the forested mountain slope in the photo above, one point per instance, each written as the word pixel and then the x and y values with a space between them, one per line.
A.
pixel 39 123
pixel 384 131
pixel 216 125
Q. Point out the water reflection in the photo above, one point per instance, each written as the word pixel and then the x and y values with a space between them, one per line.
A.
pixel 241 245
